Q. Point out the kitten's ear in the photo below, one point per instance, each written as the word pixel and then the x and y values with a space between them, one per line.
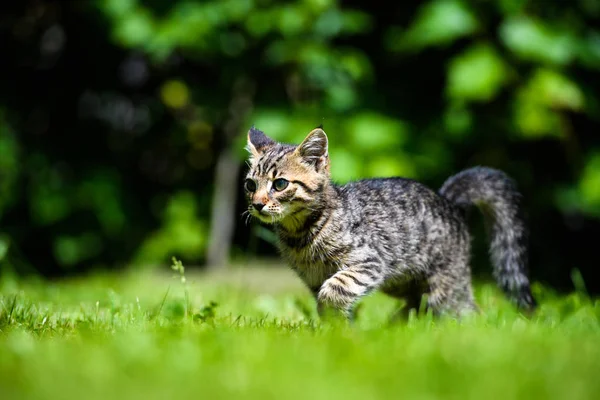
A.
pixel 258 142
pixel 313 149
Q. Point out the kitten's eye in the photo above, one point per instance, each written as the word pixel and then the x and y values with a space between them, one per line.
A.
pixel 250 185
pixel 280 184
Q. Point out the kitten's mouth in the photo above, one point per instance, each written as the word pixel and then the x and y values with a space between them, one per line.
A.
pixel 266 216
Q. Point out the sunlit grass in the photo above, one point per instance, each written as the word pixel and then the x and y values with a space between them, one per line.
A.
pixel 254 334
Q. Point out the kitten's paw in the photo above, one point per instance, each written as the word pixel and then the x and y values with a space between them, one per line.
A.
pixel 334 302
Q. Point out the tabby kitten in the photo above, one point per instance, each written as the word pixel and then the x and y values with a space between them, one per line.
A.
pixel 391 234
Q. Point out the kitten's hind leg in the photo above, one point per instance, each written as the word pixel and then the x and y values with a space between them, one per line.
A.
pixel 450 289
pixel 410 293
pixel 338 294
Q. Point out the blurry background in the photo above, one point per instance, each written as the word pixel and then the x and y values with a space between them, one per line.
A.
pixel 123 122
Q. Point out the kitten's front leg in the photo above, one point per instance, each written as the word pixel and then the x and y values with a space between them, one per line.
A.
pixel 339 293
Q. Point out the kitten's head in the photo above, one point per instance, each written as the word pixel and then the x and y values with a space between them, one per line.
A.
pixel 286 182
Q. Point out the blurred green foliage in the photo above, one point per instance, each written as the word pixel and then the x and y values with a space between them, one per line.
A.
pixel 436 23
pixel 9 154
pixel 181 232
pixel 418 90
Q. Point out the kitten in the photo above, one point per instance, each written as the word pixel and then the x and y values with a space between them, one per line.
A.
pixel 391 234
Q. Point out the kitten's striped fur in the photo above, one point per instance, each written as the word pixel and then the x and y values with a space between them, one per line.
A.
pixel 391 234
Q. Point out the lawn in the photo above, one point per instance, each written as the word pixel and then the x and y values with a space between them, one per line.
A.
pixel 251 333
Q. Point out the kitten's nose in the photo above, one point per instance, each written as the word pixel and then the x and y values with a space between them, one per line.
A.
pixel 258 206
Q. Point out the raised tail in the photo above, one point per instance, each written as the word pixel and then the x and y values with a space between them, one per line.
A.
pixel 495 194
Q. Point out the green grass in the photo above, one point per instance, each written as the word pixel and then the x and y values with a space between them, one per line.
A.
pixel 253 334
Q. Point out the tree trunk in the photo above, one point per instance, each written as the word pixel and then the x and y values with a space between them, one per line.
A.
pixel 226 182
pixel 223 209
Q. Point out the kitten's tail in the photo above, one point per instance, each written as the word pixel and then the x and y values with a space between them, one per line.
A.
pixel 495 194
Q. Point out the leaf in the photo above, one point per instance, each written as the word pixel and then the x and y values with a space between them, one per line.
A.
pixel 584 196
pixel 589 53
pixel 344 165
pixel 437 23
pixel 181 232
pixel 532 40
pixel 556 90
pixel 70 250
pixel 511 7
pixel 538 101
pixel 341 97
pixel 329 23
pixel 356 64
pixel 370 132
pixel 275 124
pixel 291 21
pixel 589 183
pixel 236 10
pixel 260 22
pixel 119 8
pixel 533 120
pixel 135 29
pixel 4 246
pixel 317 6
pixel 458 120
pixel 399 165
pixel 10 166
pixel 478 74
pixel 355 22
